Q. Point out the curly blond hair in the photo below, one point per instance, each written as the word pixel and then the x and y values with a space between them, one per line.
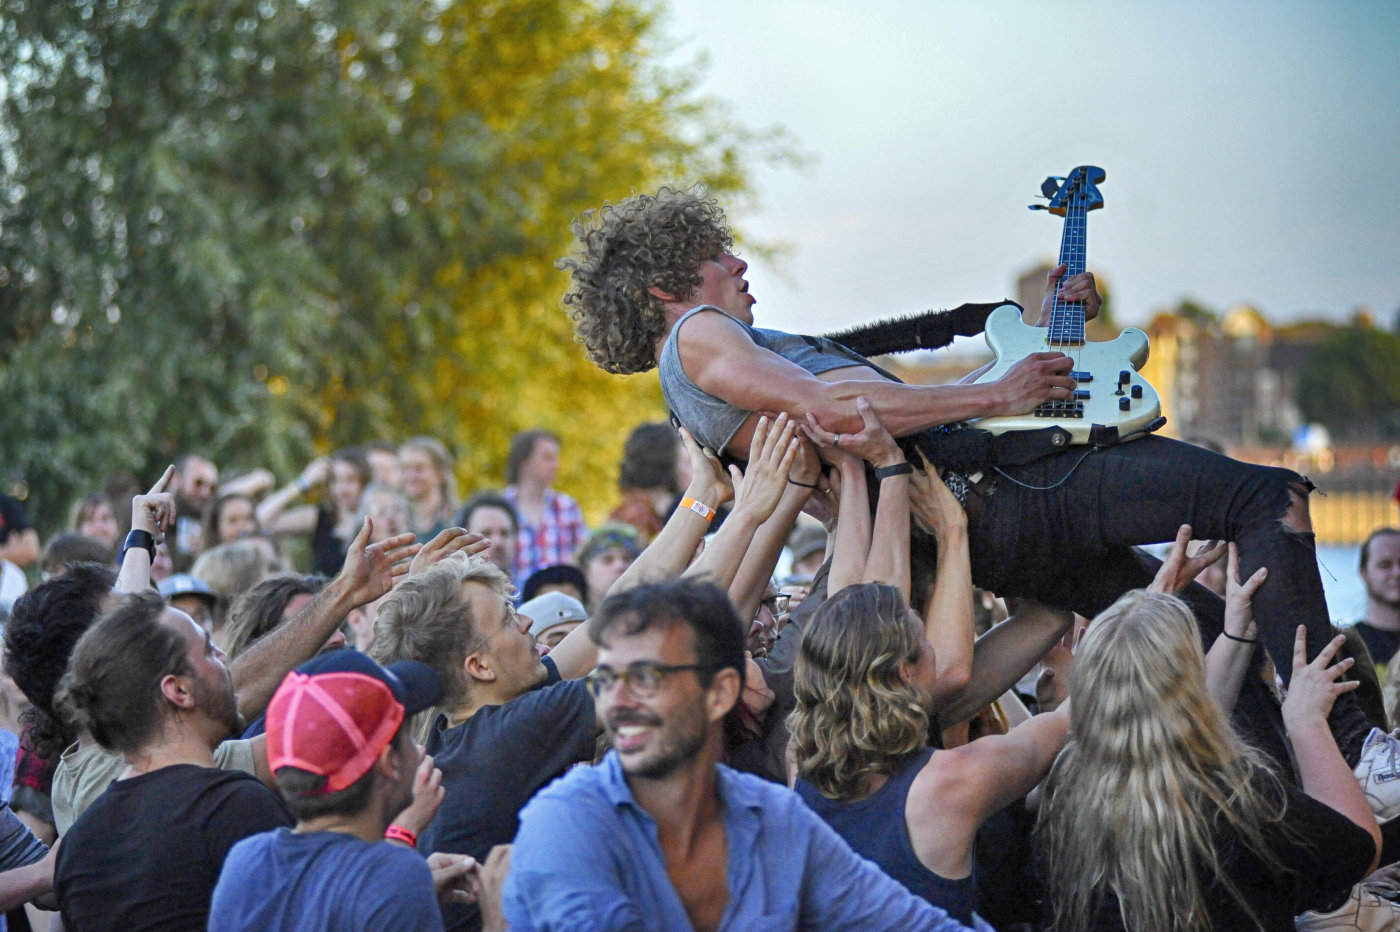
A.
pixel 622 250
pixel 855 715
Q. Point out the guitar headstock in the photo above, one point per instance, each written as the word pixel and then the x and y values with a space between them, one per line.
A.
pixel 1078 191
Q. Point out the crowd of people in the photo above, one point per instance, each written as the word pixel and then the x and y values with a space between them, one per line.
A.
pixel 797 680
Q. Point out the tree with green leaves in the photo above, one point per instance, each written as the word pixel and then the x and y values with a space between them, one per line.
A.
pixel 1351 384
pixel 259 228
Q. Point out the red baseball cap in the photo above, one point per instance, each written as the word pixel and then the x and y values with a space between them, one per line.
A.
pixel 334 715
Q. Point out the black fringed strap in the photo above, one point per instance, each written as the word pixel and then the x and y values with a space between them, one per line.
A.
pixel 929 330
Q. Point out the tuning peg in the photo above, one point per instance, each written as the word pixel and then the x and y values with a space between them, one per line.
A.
pixel 1051 185
pixel 1037 207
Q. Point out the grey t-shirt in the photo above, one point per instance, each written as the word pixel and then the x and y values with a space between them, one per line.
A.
pixel 714 422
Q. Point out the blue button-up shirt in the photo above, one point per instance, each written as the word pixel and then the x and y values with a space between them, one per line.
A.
pixel 587 857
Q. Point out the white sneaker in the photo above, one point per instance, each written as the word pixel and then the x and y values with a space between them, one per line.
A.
pixel 1366 910
pixel 1379 774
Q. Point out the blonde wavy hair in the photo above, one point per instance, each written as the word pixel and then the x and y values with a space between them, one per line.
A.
pixel 855 715
pixel 623 249
pixel 1152 778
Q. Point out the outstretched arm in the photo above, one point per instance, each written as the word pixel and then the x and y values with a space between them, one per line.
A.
pixel 756 568
pixel 721 359
pixel 1004 654
pixel 666 556
pixel 757 493
pixel 368 573
pixel 153 513
pixel 886 542
pixel 1324 773
pixel 1229 660
pixel 948 617
pixel 275 514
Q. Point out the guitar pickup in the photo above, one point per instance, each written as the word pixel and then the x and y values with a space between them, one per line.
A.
pixel 1082 376
pixel 1060 409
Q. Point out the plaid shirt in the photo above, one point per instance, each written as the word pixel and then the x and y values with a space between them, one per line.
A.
pixel 551 542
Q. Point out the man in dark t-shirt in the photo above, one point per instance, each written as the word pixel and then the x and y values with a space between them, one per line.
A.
pixel 146 682
pixel 509 721
pixel 1380 573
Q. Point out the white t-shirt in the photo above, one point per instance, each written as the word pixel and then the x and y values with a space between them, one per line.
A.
pixel 12 584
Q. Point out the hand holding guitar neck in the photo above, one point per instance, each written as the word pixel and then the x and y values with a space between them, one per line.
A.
pixel 1077 289
pixel 1093 393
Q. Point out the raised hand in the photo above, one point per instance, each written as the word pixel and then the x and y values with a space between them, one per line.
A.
pixel 709 483
pixel 1239 610
pixel 154 512
pixel 932 506
pixel 316 472
pixel 760 486
pixel 1180 569
pixel 427 796
pixel 1315 686
pixel 873 444
pixel 371 569
pixel 448 541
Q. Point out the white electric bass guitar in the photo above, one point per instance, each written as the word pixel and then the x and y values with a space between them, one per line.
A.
pixel 1111 401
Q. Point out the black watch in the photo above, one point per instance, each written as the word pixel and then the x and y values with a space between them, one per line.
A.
pixel 145 540
pixel 898 469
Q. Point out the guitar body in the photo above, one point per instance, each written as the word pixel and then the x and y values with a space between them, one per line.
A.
pixel 1112 402
pixel 1097 367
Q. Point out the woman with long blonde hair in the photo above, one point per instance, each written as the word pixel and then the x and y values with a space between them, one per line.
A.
pixel 1158 817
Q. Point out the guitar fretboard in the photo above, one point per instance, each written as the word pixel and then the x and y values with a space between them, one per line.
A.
pixel 1067 317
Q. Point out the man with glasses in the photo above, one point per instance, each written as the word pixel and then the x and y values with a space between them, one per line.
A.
pixel 660 836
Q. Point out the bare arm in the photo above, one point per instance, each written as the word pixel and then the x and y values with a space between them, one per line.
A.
pixel 721 359
pixel 756 568
pixel 757 493
pixel 20 885
pixel 886 543
pixel 152 513
pixel 368 573
pixel 1324 773
pixel 1230 658
pixel 251 484
pixel 1004 654
pixel 850 543
pixel 665 557
pixel 948 618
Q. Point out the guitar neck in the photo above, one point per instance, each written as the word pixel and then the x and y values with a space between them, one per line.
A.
pixel 1067 317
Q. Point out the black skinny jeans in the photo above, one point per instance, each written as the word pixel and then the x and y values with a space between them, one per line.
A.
pixel 1070 542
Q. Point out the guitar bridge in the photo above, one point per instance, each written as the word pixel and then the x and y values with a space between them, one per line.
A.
pixel 1060 409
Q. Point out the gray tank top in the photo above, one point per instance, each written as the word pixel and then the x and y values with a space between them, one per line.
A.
pixel 714 422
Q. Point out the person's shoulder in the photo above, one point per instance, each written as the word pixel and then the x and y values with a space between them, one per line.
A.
pixel 253 850
pixel 708 321
pixel 582 788
pixel 752 791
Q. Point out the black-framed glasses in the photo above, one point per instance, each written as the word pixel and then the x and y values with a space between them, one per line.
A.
pixel 643 678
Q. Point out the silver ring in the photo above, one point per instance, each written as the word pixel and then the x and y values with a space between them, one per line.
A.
pixel 838 441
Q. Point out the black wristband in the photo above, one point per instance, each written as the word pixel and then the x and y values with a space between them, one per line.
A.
pixel 898 469
pixel 1241 640
pixel 145 540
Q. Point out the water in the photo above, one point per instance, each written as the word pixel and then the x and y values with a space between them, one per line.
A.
pixel 1346 596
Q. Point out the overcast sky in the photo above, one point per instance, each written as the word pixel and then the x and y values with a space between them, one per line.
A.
pixel 1252 149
